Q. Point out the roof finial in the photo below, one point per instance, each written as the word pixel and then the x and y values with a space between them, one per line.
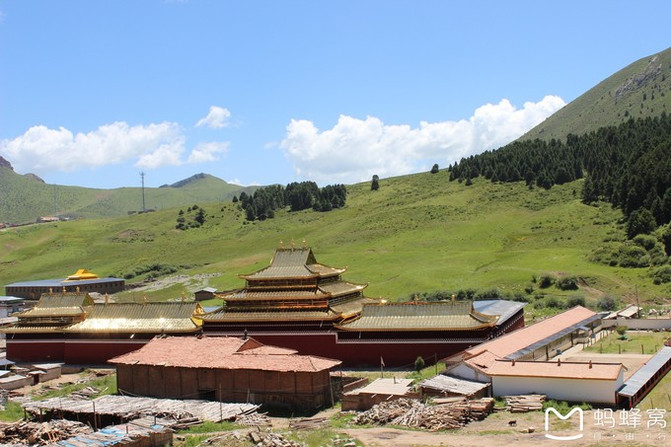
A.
pixel 77 290
pixel 281 244
pixel 304 244
pixel 144 299
pixel 63 292
pixel 51 291
pixel 454 297
pixel 293 244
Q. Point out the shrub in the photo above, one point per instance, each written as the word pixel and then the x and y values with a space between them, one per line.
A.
pixel 546 281
pixel 576 301
pixel 606 303
pixel 662 275
pixel 568 283
pixel 645 240
pixel 419 364
pixel 633 256
pixel 553 303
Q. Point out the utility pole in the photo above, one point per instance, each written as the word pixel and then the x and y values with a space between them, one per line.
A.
pixel 143 206
pixel 55 202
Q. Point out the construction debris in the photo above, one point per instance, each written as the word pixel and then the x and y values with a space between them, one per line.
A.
pixel 413 413
pixel 308 423
pixel 524 403
pixel 36 433
pixel 253 419
pixel 271 439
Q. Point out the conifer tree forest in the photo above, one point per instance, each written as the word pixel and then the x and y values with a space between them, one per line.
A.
pixel 297 196
pixel 627 165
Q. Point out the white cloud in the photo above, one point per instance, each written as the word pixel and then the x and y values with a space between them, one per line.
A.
pixel 216 118
pixel 41 149
pixel 354 149
pixel 206 152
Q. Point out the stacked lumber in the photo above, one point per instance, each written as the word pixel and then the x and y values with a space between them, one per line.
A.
pixel 413 413
pixel 308 423
pixel 481 408
pixel 35 433
pixel 125 407
pixel 524 403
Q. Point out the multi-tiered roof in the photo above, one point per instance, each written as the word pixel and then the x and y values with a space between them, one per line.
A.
pixel 293 287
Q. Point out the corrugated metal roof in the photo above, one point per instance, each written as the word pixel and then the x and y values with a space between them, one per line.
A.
pixel 556 336
pixel 419 316
pixel 136 317
pixel 454 385
pixel 564 370
pixel 503 308
pixel 522 338
pixel 638 380
pixel 231 353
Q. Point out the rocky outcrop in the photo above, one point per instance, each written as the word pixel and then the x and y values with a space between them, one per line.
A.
pixel 639 80
pixel 35 177
pixel 5 164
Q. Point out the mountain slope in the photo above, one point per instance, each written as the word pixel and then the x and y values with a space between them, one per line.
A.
pixel 639 90
pixel 25 198
pixel 417 233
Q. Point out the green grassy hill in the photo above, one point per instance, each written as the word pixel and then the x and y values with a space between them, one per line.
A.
pixel 25 198
pixel 418 233
pixel 639 90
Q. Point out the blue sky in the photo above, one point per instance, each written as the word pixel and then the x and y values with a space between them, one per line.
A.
pixel 260 92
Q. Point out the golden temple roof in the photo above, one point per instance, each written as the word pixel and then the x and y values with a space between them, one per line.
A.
pixel 58 305
pixel 141 318
pixel 419 316
pixel 293 263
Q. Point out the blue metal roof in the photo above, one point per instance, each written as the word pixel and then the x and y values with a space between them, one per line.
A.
pixel 504 308
pixel 638 380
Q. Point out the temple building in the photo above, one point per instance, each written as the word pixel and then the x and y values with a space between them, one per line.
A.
pixel 300 304
pixel 82 280
pixel 71 328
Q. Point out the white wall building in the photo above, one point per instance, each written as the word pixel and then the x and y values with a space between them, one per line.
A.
pixel 592 382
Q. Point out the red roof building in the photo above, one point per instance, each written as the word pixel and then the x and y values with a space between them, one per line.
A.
pixel 226 369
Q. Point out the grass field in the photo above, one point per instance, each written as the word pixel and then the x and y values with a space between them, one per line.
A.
pixel 418 233
pixel 637 342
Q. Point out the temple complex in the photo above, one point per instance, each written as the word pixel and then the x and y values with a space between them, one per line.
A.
pixel 301 304
pixel 71 328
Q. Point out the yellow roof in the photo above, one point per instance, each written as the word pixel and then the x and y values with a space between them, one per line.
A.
pixel 82 274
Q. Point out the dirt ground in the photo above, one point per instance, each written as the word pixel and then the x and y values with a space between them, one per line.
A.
pixel 495 431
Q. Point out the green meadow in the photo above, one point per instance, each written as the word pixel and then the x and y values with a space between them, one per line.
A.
pixel 417 233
